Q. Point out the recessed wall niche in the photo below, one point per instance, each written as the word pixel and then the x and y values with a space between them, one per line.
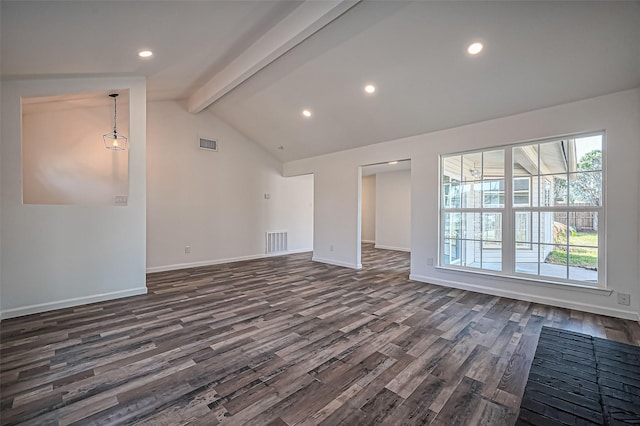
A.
pixel 64 159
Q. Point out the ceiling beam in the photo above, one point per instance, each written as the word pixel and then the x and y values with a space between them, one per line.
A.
pixel 304 21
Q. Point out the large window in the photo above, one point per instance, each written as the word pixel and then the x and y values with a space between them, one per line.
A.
pixel 533 210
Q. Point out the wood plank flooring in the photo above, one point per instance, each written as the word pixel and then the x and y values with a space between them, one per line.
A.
pixel 282 341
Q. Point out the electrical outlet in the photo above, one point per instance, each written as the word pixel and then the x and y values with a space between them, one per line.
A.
pixel 429 261
pixel 331 247
pixel 187 249
pixel 121 200
pixel 624 299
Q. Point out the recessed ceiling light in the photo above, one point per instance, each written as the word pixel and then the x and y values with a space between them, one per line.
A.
pixel 393 162
pixel 370 88
pixel 306 113
pixel 145 53
pixel 474 48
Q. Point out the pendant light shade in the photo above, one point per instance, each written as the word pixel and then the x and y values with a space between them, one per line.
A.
pixel 115 141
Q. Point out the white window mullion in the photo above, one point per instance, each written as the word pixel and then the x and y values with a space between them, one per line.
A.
pixel 482 186
pixel 508 220
pixel 539 239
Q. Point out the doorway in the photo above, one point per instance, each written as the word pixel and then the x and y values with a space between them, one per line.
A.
pixel 385 216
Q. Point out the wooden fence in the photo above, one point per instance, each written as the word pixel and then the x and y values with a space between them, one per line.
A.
pixel 582 221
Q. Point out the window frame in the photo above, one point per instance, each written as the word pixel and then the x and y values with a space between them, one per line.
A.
pixel 478 180
pixel 510 209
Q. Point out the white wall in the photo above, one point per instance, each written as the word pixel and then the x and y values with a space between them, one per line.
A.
pixel 336 192
pixel 64 160
pixel 215 202
pixel 57 256
pixel 336 218
pixel 369 209
pixel 393 210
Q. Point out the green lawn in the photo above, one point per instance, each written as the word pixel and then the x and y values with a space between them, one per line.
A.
pixel 578 238
pixel 584 239
pixel 582 257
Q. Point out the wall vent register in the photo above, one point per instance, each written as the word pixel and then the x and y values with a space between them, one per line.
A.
pixel 209 144
pixel 276 242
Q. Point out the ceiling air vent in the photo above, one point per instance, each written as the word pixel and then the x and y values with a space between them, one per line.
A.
pixel 209 144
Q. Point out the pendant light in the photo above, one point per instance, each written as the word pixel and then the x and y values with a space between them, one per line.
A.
pixel 114 140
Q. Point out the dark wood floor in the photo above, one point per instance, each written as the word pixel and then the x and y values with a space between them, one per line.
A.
pixel 282 341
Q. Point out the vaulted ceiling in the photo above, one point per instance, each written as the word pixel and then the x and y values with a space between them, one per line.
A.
pixel 258 64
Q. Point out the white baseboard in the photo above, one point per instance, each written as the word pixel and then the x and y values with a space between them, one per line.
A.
pixel 67 303
pixel 527 297
pixel 306 250
pixel 211 262
pixel 337 263
pixel 381 246
pixel 368 241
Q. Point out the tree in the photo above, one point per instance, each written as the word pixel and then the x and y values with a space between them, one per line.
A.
pixel 587 187
pixel 559 189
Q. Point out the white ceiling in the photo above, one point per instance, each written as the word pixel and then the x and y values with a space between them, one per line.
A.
pixel 537 54
pixel 191 40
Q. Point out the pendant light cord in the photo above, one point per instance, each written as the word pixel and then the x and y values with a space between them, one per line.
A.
pixel 115 114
